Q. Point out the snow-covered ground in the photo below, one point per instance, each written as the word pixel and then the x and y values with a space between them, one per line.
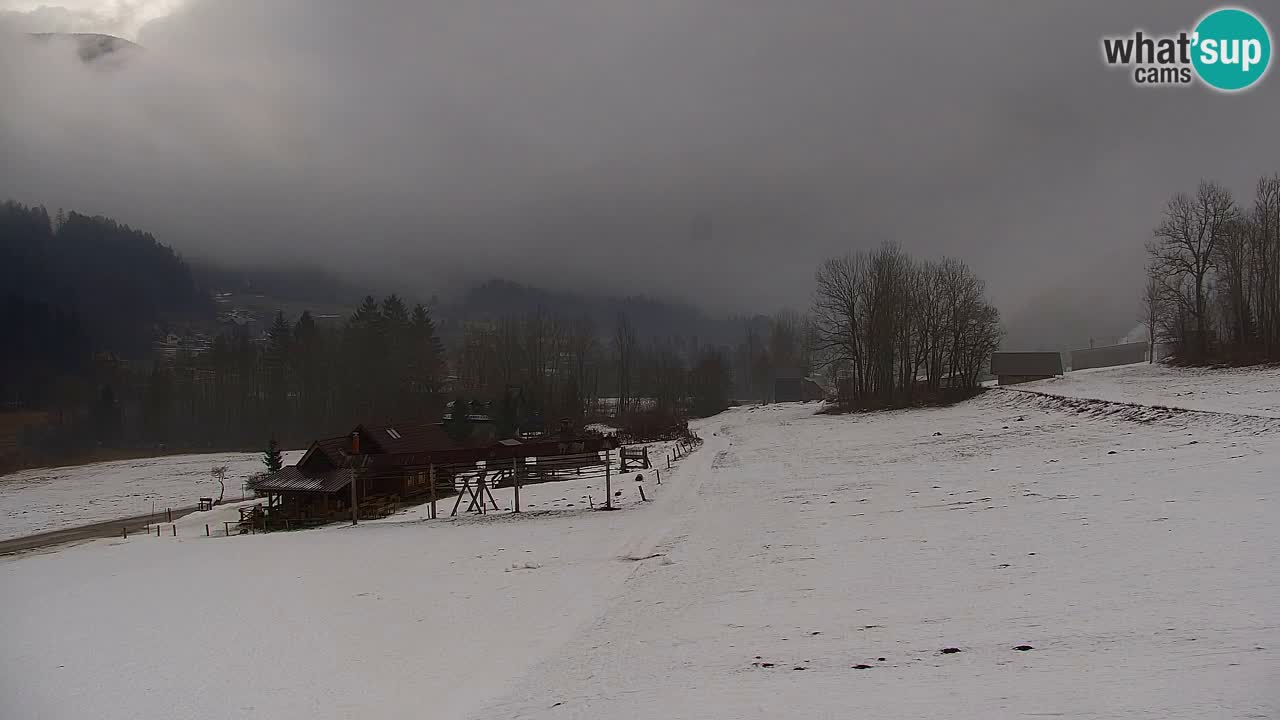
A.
pixel 1245 391
pixel 33 501
pixel 1134 558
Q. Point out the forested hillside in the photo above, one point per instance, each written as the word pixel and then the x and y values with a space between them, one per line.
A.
pixel 72 285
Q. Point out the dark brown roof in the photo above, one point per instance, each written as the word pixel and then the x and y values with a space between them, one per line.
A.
pixel 295 480
pixel 413 437
pixel 392 439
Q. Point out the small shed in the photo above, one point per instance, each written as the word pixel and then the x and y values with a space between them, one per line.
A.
pixel 1011 368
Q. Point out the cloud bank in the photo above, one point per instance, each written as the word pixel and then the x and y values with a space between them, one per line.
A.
pixel 713 151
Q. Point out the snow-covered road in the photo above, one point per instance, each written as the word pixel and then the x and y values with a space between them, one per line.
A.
pixel 1134 558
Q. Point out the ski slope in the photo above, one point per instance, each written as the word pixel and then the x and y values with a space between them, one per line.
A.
pixel 1134 554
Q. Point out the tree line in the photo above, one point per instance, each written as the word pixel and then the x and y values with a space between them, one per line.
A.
pixel 894 330
pixel 120 282
pixel 1212 290
pixel 542 365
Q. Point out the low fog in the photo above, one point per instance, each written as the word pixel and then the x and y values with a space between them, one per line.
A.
pixel 712 151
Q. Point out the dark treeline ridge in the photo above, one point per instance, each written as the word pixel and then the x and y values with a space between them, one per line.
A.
pixel 74 282
pixel 85 296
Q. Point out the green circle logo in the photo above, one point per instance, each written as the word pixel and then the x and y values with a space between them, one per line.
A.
pixel 1232 49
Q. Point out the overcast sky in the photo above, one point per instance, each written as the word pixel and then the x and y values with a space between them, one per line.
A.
pixel 711 150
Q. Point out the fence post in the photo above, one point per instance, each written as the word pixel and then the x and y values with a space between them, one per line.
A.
pixel 175 530
pixel 658 473
pixel 206 530
pixel 642 497
pixel 433 491
pixel 157 529
pixel 515 481
pixel 124 533
pixel 608 487
pixel 168 512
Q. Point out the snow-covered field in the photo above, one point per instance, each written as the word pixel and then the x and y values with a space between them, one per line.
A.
pixel 1248 391
pixel 1135 559
pixel 33 501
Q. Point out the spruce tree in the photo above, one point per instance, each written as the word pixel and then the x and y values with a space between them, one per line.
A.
pixel 273 458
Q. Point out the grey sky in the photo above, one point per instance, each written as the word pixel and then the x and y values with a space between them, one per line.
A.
pixel 713 150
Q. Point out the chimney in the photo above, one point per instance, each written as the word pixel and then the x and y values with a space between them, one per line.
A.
pixel 355 443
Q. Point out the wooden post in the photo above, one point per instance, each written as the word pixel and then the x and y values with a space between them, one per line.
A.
pixel 515 482
pixel 157 529
pixel 355 509
pixel 169 514
pixel 642 497
pixel 124 533
pixel 206 530
pixel 466 487
pixel 226 528
pixel 175 530
pixel 658 473
pixel 433 491
pixel 489 492
pixel 608 488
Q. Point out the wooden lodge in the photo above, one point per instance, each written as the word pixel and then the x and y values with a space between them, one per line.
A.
pixel 380 468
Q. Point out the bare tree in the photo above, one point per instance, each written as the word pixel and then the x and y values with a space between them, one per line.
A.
pixel 1153 310
pixel 883 318
pixel 1264 261
pixel 1184 252
pixel 785 338
pixel 219 473
pixel 624 348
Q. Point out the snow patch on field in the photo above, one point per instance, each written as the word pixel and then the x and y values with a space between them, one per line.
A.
pixel 33 501
pixel 1243 391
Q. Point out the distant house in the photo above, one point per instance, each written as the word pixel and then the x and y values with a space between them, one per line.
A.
pixel 791 385
pixel 1011 368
